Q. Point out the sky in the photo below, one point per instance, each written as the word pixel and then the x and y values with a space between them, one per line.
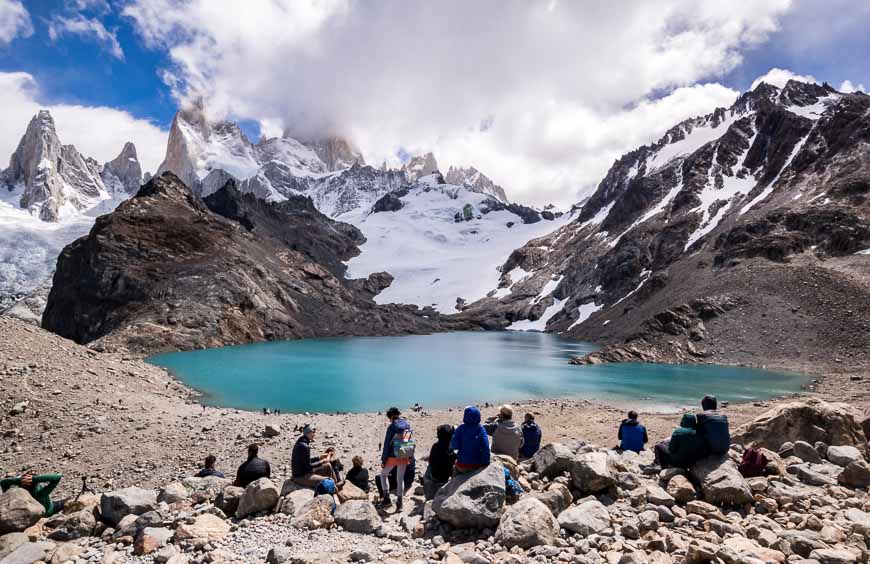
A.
pixel 540 96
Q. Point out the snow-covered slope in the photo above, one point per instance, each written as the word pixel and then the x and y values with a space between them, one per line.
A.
pixel 50 196
pixel 476 181
pixel 436 255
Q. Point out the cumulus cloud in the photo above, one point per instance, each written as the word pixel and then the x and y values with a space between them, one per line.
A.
pixel 96 131
pixel 563 87
pixel 779 77
pixel 847 87
pixel 14 21
pixel 87 28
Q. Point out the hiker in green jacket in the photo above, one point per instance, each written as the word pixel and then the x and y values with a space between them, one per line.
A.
pixel 39 487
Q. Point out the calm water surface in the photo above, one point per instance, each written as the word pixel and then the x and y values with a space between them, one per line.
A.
pixel 448 369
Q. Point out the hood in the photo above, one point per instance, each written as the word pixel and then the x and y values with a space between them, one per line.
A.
pixel 471 416
pixel 630 422
pixel 688 421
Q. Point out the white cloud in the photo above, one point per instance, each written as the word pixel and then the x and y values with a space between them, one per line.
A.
pixel 847 87
pixel 14 21
pixel 96 131
pixel 563 84
pixel 88 28
pixel 779 77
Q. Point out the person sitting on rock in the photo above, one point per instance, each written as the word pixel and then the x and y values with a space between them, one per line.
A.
pixel 39 487
pixel 507 438
pixel 397 452
pixel 209 469
pixel 531 437
pixel 712 426
pixel 441 461
pixel 358 475
pixel 307 470
pixel 632 435
pixel 471 442
pixel 253 468
pixel 684 448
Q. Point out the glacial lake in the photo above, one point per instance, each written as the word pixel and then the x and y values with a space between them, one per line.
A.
pixel 367 374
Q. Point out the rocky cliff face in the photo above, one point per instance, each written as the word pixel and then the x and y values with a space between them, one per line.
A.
pixel 53 178
pixel 123 174
pixel 170 271
pixel 476 181
pixel 762 206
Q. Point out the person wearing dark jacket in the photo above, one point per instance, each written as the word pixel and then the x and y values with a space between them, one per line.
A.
pixel 397 438
pixel 686 445
pixel 252 469
pixel 632 435
pixel 712 426
pixel 471 442
pixel 306 470
pixel 531 437
pixel 39 487
pixel 209 469
pixel 358 475
pixel 441 461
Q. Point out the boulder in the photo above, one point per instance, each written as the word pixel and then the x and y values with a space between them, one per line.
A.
pixel 808 420
pixel 291 502
pixel 681 489
pixel 587 518
pixel 173 492
pixel 526 524
pixel 806 452
pixel 658 496
pixel 271 431
pixel 557 498
pixel 591 472
pixel 11 541
pixel 30 552
pixel 151 539
pixel 508 462
pixel 260 495
pixel 552 459
pixel 67 552
pixel 843 455
pixel 358 516
pixel 721 482
pixel 349 491
pixel 315 514
pixel 836 555
pixel 18 510
pixel 208 488
pixel 278 555
pixel 228 499
pixel 855 475
pixel 474 500
pixel 129 501
pixel 71 526
pixel 815 474
pixel 205 528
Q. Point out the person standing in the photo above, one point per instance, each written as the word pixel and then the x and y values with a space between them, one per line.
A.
pixel 531 437
pixel 397 452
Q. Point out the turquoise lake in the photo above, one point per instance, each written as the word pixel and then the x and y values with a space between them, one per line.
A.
pixel 364 374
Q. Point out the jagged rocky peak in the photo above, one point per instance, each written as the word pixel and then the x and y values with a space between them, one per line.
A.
pixel 419 166
pixel 51 176
pixel 336 152
pixel 475 181
pixel 123 174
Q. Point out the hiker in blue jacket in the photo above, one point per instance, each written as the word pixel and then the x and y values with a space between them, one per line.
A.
pixel 632 435
pixel 712 426
pixel 397 453
pixel 531 437
pixel 471 442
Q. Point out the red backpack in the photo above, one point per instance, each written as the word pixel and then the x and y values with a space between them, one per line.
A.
pixel 753 463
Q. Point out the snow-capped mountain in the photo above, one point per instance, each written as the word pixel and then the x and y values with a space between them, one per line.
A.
pixel 443 243
pixel 726 204
pixel 49 196
pixel 476 181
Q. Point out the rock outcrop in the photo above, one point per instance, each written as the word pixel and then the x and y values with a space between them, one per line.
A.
pixel 273 271
pixel 474 500
pixel 811 420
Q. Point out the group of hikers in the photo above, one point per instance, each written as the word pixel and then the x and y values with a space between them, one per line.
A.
pixel 459 450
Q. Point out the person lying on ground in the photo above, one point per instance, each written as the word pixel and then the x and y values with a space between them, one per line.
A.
pixel 305 469
pixel 39 487
pixel 209 469
pixel 253 468
pixel 471 442
pixel 441 461
pixel 358 475
pixel 507 437
pixel 397 452
pixel 531 437
pixel 632 435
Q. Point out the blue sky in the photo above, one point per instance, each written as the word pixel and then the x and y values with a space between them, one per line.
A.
pixel 400 112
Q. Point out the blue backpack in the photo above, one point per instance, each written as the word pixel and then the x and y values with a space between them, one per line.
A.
pixel 327 486
pixel 512 487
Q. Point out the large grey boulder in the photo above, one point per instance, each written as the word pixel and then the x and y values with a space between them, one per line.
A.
pixel 815 474
pixel 681 489
pixel 806 452
pixel 209 487
pixel 474 500
pixel 291 502
pixel 587 518
pixel 228 499
pixel 844 455
pixel 315 514
pixel 526 524
pixel 176 491
pixel 591 472
pixel 71 526
pixel 552 460
pixel 260 495
pixel 30 552
pixel 855 475
pixel 806 420
pixel 11 541
pixel 18 510
pixel 130 501
pixel 557 498
pixel 358 516
pixel 721 481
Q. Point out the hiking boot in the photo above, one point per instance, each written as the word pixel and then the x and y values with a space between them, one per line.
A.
pixel 399 504
pixel 386 502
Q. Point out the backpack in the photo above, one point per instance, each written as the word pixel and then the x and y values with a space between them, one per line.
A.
pixel 327 486
pixel 404 445
pixel 512 487
pixel 753 463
